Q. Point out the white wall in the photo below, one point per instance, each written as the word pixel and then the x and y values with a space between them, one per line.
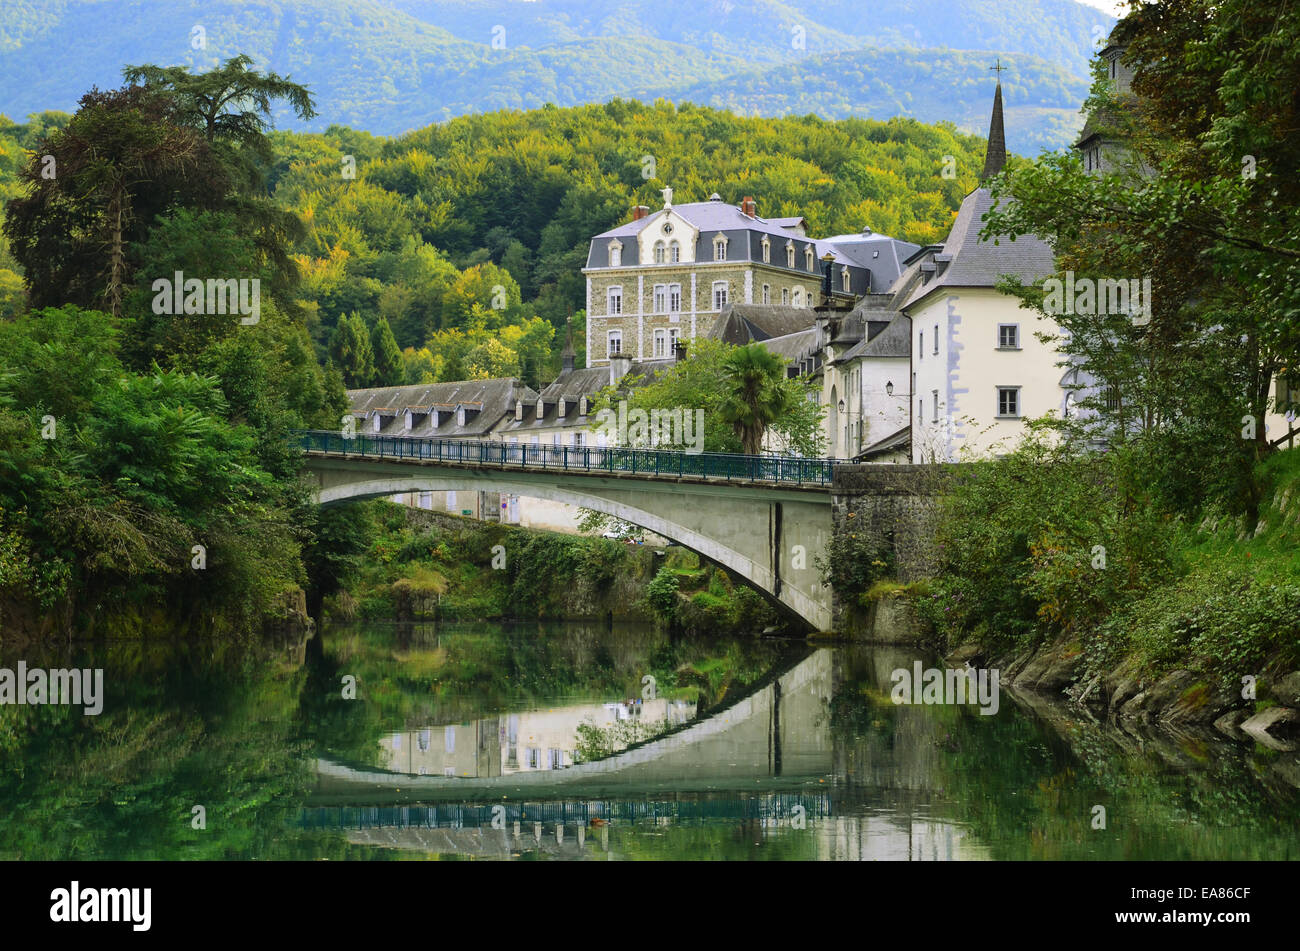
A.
pixel 969 368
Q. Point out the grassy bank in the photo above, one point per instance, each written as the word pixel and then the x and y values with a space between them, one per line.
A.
pixel 1072 566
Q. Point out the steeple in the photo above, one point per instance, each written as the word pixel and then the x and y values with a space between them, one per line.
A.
pixel 996 156
pixel 567 355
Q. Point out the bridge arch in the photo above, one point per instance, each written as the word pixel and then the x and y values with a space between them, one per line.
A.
pixel 764 535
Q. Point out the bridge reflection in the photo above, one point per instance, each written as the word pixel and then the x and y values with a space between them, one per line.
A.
pixel 770 769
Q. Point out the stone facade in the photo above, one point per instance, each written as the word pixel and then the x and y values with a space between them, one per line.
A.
pixel 639 319
pixel 899 506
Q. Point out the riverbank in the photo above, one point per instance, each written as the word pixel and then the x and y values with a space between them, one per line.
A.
pixel 1186 623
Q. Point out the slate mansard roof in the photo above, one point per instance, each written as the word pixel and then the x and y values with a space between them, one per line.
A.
pixel 484 401
pixel 878 254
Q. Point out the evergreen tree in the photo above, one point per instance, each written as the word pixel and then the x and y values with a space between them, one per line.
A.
pixel 352 353
pixel 387 356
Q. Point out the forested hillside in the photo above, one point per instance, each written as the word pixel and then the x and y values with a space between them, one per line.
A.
pixel 1041 100
pixel 395 65
pixel 434 220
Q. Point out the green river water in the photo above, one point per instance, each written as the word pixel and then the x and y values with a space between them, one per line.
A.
pixel 581 741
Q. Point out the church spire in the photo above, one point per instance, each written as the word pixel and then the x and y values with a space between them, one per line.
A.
pixel 996 156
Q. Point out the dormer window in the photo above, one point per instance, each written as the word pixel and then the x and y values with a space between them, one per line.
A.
pixel 407 419
pixel 561 407
pixel 519 410
pixel 460 416
pixel 845 275
pixel 615 253
pixel 582 407
pixel 767 250
pixel 720 247
pixel 808 258
pixel 375 422
pixel 661 252
pixel 789 254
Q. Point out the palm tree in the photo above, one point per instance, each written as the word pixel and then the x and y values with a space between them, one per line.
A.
pixel 755 397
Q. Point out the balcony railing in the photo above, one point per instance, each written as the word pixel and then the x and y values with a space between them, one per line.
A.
pixel 730 467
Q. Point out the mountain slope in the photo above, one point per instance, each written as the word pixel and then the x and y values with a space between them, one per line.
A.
pixel 393 65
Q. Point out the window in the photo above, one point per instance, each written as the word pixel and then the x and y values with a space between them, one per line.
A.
pixel 797 299
pixel 1111 395
pixel 661 343
pixel 719 295
pixel 661 299
pixel 920 411
pixel 1008 401
pixel 533 759
pixel 767 250
pixel 934 398
pixel 672 340
pixel 577 440
pixel 449 739
pixel 661 252
pixel 920 345
pixel 1008 336
pixel 614 343
pixel 555 439
pixel 422 740
pixel 936 339
pixel 845 273
pixel 808 258
pixel 785 296
pixel 808 297
pixel 674 298
pixel 460 416
pixel 674 251
pixel 614 301
pixel 789 254
pixel 720 248
pixel 615 254
pixel 767 294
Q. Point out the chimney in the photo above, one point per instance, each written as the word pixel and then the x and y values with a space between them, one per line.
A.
pixel 619 366
pixel 567 355
pixel 748 206
pixel 640 211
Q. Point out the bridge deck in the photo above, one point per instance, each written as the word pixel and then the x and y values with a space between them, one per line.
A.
pixel 638 463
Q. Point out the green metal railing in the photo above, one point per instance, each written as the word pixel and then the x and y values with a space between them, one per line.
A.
pixel 659 462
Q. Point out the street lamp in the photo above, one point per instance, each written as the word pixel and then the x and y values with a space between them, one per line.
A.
pixel 841 406
pixel 889 388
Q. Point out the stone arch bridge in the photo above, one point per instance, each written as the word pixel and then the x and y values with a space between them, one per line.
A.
pixel 765 518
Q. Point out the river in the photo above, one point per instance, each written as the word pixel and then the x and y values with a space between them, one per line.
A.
pixel 582 741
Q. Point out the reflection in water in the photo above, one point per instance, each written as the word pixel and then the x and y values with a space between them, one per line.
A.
pixel 517 742
pixel 464 742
